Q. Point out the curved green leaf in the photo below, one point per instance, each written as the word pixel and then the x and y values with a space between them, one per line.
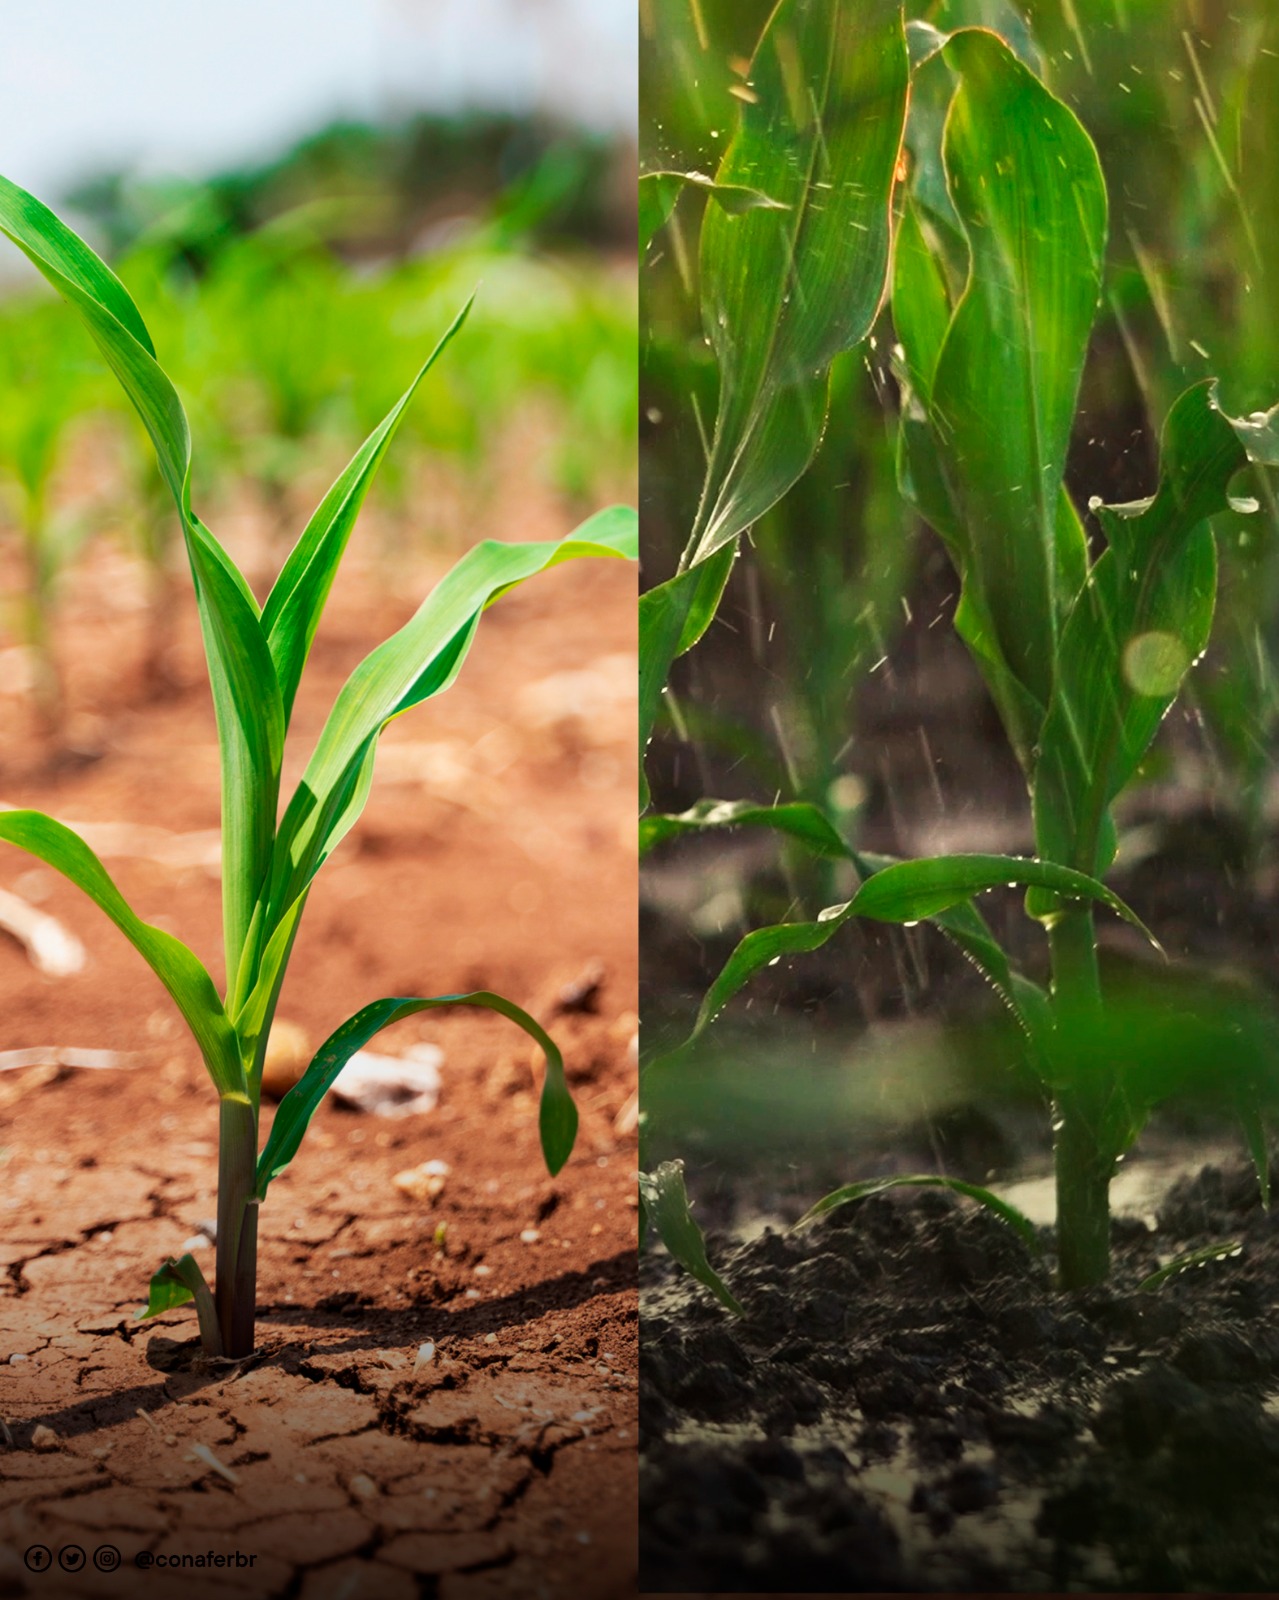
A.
pixel 421 660
pixel 798 820
pixel 297 599
pixel 557 1117
pixel 1017 1220
pixel 910 891
pixel 782 291
pixel 659 192
pixel 176 1282
pixel 666 1206
pixel 177 968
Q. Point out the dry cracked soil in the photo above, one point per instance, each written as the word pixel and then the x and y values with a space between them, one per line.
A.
pixel 443 1396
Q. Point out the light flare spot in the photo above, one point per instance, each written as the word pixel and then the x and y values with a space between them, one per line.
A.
pixel 1155 663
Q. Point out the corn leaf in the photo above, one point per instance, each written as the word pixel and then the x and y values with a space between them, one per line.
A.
pixel 987 468
pixel 422 659
pixel 296 602
pixel 1017 1220
pixel 660 191
pixel 795 819
pixel 666 1206
pixel 1142 619
pixel 1191 1258
pixel 177 968
pixel 673 616
pixel 917 891
pixel 246 695
pixel 909 891
pixel 782 292
pixel 557 1116
pixel 174 1284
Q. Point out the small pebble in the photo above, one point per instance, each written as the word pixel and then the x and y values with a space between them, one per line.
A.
pixel 363 1486
pixel 44 1438
pixel 425 1354
pixel 17 1357
pixel 490 1338
pixel 483 1272
pixel 530 1236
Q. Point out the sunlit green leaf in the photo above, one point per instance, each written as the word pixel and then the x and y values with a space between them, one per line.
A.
pixel 178 970
pixel 178 1281
pixel 557 1117
pixel 292 612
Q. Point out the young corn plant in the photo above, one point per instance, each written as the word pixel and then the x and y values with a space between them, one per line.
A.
pixel 270 857
pixel 1083 655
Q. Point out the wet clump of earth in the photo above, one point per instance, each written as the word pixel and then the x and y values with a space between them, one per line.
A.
pixel 909 1405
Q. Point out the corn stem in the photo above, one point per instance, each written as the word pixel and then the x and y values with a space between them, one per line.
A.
pixel 1083 1169
pixel 235 1285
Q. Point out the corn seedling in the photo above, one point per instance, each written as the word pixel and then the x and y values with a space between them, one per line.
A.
pixel 270 859
pixel 1083 655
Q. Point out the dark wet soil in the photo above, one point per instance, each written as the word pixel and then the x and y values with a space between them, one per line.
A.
pixel 910 1406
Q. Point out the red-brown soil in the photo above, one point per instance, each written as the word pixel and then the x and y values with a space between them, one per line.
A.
pixel 497 851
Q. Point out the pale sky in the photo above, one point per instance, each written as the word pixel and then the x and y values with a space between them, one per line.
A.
pixel 188 86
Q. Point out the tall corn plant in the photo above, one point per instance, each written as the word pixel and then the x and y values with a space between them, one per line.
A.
pixel 1083 657
pixel 270 858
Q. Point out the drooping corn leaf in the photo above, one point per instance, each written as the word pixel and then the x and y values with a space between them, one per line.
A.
pixel 1139 623
pixel 174 1284
pixel 177 968
pixel 297 599
pixel 666 1206
pixel 557 1119
pixel 984 443
pixel 909 891
pixel 246 695
pixel 659 192
pixel 917 891
pixel 782 291
pixel 797 820
pixel 1017 1220
pixel 422 659
pixel 673 616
